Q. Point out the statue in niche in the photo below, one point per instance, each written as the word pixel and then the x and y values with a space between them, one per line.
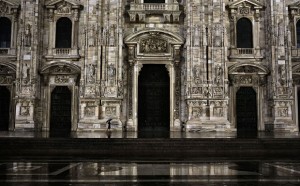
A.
pixel 197 37
pixel 27 35
pixel 219 73
pixel 91 73
pixel 112 37
pixel 281 33
pixel 282 74
pixel 218 35
pixel 25 71
pixel 111 71
pixel 103 88
pixel 92 35
pixel 197 74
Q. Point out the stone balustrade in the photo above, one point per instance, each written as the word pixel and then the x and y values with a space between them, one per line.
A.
pixel 154 7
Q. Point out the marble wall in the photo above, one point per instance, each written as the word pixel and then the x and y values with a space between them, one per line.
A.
pixel 112 40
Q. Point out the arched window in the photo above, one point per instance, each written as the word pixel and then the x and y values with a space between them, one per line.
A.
pixel 298 33
pixel 244 37
pixel 154 1
pixel 63 33
pixel 5 32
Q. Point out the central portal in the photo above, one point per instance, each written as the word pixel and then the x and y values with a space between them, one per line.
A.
pixel 154 99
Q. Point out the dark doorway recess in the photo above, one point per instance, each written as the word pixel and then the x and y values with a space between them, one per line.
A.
pixel 4 108
pixel 154 101
pixel 60 116
pixel 298 94
pixel 246 112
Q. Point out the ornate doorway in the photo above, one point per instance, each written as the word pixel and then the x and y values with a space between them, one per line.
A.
pixel 154 99
pixel 4 108
pixel 246 111
pixel 60 113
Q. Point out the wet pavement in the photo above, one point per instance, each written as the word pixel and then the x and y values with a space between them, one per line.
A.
pixel 121 173
pixel 175 135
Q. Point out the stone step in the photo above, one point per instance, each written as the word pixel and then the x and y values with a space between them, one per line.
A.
pixel 151 148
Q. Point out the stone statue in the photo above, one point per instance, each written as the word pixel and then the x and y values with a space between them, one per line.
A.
pixel 219 72
pixel 25 71
pixel 111 71
pixel 92 35
pixel 27 35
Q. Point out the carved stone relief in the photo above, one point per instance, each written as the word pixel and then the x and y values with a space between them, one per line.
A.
pixel 61 69
pixel 5 80
pixel 153 45
pixel 61 79
pixel 197 112
pixel 64 8
pixel 110 111
pixel 25 108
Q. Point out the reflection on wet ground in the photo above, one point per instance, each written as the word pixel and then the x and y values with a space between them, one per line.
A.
pixel 114 173
pixel 120 134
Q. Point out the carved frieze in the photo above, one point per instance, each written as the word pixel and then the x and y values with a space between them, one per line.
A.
pixel 61 69
pixel 6 80
pixel 60 79
pixel 90 91
pixel 153 45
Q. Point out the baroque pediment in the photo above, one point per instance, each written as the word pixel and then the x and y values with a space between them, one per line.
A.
pixel 60 68
pixel 248 69
pixel 159 34
pixel 6 7
pixel 63 5
pixel 256 4
pixel 294 9
pixel 296 69
pixel 4 70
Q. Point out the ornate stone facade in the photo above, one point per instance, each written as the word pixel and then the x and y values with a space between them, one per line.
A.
pixel 196 41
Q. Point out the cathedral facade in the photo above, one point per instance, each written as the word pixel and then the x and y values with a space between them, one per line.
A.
pixel 165 65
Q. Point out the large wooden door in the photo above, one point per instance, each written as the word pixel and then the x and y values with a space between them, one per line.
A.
pixel 154 99
pixel 4 108
pixel 246 111
pixel 60 116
